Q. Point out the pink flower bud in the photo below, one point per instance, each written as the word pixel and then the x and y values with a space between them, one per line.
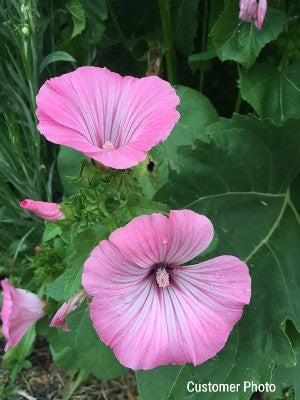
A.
pixel 247 10
pixel 20 310
pixel 48 211
pixel 251 11
pixel 260 13
pixel 59 318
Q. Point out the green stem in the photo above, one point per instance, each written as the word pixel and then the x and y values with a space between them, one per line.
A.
pixel 239 97
pixel 203 44
pixel 165 17
pixel 72 385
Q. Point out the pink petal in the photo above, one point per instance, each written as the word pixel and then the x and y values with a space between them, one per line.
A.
pixel 43 209
pixel 92 106
pixel 147 326
pixel 174 240
pixel 260 13
pixel 59 318
pixel 247 10
pixel 20 310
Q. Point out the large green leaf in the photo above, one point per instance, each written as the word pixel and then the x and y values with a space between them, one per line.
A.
pixel 81 247
pixel 272 93
pixel 88 351
pixel 68 165
pixel 185 19
pixel 196 113
pixel 240 179
pixel 242 41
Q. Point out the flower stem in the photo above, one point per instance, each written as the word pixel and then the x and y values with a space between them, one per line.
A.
pixel 165 17
pixel 72 385
pixel 239 97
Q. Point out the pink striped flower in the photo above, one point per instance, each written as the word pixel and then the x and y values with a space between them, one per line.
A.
pixel 43 209
pixel 113 119
pixel 149 307
pixel 59 318
pixel 250 10
pixel 20 310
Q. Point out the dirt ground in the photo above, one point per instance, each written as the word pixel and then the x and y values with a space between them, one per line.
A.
pixel 44 381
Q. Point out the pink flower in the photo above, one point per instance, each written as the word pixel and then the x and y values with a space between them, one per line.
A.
pixel 59 318
pixel 113 119
pixel 49 211
pixel 260 13
pixel 250 10
pixel 20 310
pixel 149 307
pixel 247 10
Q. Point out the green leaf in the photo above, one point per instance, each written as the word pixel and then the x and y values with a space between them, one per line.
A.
pixel 242 41
pixel 185 19
pixel 94 355
pixel 196 60
pixel 78 16
pixel 80 249
pixel 241 179
pixel 68 165
pixel 272 93
pixel 286 377
pixel 51 231
pixel 54 57
pixel 96 14
pixel 196 113
pixel 55 290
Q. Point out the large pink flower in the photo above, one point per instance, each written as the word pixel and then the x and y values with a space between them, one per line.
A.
pixel 112 119
pixel 151 309
pixel 20 310
pixel 43 209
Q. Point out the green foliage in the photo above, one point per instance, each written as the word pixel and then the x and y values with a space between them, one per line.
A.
pixel 196 112
pixel 271 92
pixel 84 346
pixel 242 41
pixel 185 20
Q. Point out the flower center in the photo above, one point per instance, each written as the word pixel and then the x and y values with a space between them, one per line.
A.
pixel 108 146
pixel 162 274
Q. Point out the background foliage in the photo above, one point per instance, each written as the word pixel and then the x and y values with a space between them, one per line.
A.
pixel 234 156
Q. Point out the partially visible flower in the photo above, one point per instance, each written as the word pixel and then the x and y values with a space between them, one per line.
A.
pixel 59 318
pixel 20 310
pixel 49 211
pixel 260 13
pixel 247 10
pixel 251 11
pixel 113 119
pixel 149 307
pixel 37 248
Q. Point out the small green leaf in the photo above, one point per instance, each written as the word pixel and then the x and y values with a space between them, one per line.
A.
pixel 196 60
pixel 242 41
pixel 55 57
pixel 272 93
pixel 51 231
pixel 78 16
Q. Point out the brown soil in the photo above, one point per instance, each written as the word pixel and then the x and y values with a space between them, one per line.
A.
pixel 44 381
